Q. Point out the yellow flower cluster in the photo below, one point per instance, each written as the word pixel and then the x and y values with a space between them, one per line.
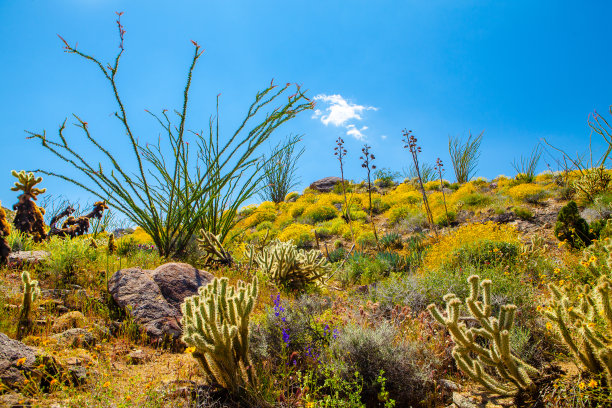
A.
pixel 526 192
pixel 468 235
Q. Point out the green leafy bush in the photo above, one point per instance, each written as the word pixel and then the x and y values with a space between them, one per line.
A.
pixel 408 367
pixel 571 227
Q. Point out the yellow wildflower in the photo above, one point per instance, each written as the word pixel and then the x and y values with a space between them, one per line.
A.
pixel 581 385
pixel 21 361
pixel 190 350
pixel 548 326
pixel 106 384
pixel 592 384
pixel 560 244
pixel 557 270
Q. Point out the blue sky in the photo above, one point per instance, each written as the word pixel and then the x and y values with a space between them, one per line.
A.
pixel 519 70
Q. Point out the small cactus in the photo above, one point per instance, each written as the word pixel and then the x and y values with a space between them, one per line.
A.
pixel 289 266
pixel 31 291
pixel 215 253
pixel 490 344
pixel 216 325
pixel 112 244
pixel 28 216
pixel 585 324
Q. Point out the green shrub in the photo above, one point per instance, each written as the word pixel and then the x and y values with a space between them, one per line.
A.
pixel 408 367
pixel 318 213
pixel 337 255
pixel 571 227
pixel 361 268
pixel 379 206
pixel 523 213
pixel 486 253
pixel 366 239
pixel 68 258
pixel 266 225
pixel 126 246
pixel 391 240
pixel 475 200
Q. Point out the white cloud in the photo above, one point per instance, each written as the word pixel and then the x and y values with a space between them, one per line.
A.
pixel 352 130
pixel 340 112
pixel 383 137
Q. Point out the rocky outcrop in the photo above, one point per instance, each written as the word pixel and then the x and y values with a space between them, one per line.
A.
pixel 325 185
pixel 28 257
pixel 15 359
pixel 154 297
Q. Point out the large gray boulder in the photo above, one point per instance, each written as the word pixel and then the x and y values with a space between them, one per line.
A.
pixel 325 185
pixel 15 359
pixel 154 297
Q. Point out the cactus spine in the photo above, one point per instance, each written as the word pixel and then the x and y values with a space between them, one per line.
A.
pixel 289 266
pixel 216 323
pixel 31 291
pixel 586 317
pixel 495 331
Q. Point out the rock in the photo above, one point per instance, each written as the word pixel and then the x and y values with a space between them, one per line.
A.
pixel 449 385
pixel 75 338
pixel 30 257
pixel 15 358
pixel 138 357
pixel 78 374
pixel 120 232
pixel 154 297
pixel 504 218
pixel 14 400
pixel 464 400
pixel 70 320
pixel 325 185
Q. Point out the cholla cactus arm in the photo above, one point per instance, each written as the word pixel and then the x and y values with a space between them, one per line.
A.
pixel 577 323
pixel 31 291
pixel 216 323
pixel 215 252
pixel 26 182
pixel 496 331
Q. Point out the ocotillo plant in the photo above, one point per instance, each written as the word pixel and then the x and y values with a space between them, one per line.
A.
pixel 5 231
pixel 410 142
pixel 464 156
pixel 31 291
pixel 490 344
pixel 366 163
pixel 174 193
pixel 340 153
pixel 28 216
pixel 585 325
pixel 439 168
pixel 216 325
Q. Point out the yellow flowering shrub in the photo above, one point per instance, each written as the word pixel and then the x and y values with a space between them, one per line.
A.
pixel 292 196
pixel 317 212
pixel 544 177
pixel 301 234
pixel 527 192
pixel 461 193
pixel 472 236
pixel 265 212
pixel 141 237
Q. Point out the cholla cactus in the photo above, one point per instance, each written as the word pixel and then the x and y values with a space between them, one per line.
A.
pixel 215 253
pixel 31 291
pixel 112 244
pixel 28 216
pixel 593 181
pixel 216 325
pixel 586 325
pixel 5 231
pixel 513 371
pixel 289 266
